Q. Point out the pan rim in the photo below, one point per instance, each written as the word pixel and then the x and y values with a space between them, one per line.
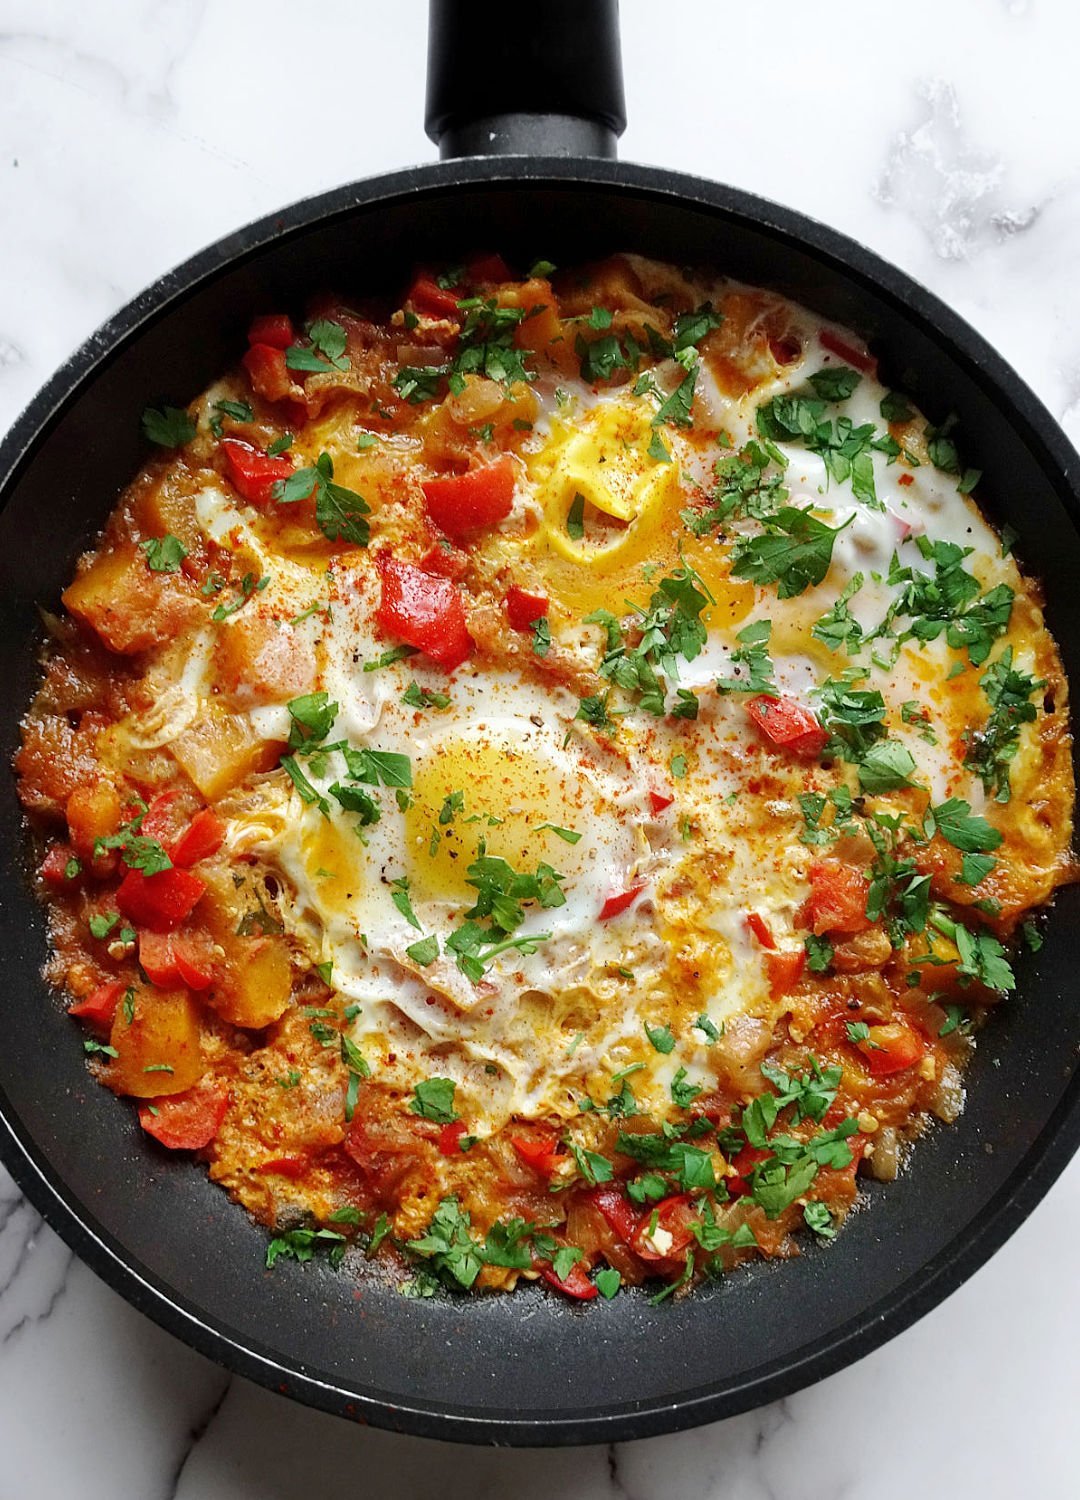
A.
pixel 980 1237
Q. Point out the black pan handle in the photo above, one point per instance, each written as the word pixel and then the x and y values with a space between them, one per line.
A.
pixel 524 80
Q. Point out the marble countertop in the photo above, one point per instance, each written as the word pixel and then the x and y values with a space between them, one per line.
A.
pixel 947 137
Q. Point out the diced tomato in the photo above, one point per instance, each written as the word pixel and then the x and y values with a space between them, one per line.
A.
pixel 538 1149
pixel 906 479
pixel 203 836
pixel 757 924
pixel 891 1049
pixel 859 359
pixel 522 608
pixel 789 724
pixel 837 901
pixel 673 1218
pixel 658 801
pixel 99 1006
pixel 270 376
pixel 425 611
pixel 188 1121
pixel 286 1166
pixel 784 969
pixel 54 867
pixel 459 503
pixel 427 296
pixel 161 901
pixel 488 268
pixel 617 1210
pixel 616 904
pixel 450 1136
pixel 253 473
pixel 785 349
pixel 161 820
pixel 446 561
pixel 275 329
pixel 744 1163
pixel 576 1284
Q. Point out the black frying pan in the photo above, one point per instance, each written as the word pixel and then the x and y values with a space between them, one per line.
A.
pixel 530 1368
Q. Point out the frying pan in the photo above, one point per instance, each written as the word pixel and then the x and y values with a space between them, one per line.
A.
pixel 528 124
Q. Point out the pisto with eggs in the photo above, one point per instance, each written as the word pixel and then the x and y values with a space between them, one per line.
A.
pixel 542 779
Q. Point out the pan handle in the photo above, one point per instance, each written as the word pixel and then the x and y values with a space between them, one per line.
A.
pixel 524 80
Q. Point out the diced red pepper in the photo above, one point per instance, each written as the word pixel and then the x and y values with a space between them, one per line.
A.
pixel 203 836
pixel 757 924
pixel 537 1149
pixel 837 901
pixel 616 904
pixel 523 608
pixel 99 1006
pixel 187 1121
pixel 161 820
pixel 446 561
pixel 658 801
pixel 160 901
pixel 459 503
pixel 891 1049
pixel 784 969
pixel 450 1137
pixel 172 958
pixel 427 296
pixel 54 867
pixel 859 359
pixel 906 479
pixel 270 376
pixel 617 1210
pixel 672 1217
pixel 425 611
pixel 744 1163
pixel 576 1284
pixel 275 329
pixel 789 724
pixel 488 268
pixel 253 473
pixel 286 1166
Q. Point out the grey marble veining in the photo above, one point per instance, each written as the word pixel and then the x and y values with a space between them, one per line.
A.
pixel 946 136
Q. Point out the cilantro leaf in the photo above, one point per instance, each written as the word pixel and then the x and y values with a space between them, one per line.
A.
pixel 795 552
pixel 168 426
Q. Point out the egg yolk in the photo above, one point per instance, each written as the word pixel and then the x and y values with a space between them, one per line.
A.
pixel 332 861
pixel 497 788
pixel 611 520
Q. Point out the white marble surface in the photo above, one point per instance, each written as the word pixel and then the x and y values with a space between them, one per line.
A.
pixel 946 136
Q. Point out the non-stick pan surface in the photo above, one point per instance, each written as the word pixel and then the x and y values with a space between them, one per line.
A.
pixel 531 1368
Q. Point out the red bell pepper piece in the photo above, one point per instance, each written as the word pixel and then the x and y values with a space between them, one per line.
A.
pixel 286 1166
pixel 784 969
pixel 54 867
pixel 616 904
pixel 425 611
pixel 859 359
pixel 270 376
pixel 449 1137
pixel 446 561
pixel 458 503
pixel 617 1210
pixel 161 820
pixel 538 1149
pixel 757 924
pixel 658 801
pixel 891 1049
pixel 522 608
pixel 187 1121
pixel 837 901
pixel 576 1283
pixel 203 836
pixel 161 901
pixel 672 1217
pixel 427 296
pixel 788 724
pixel 253 473
pixel 275 329
pixel 744 1163
pixel 99 1006
pixel 172 958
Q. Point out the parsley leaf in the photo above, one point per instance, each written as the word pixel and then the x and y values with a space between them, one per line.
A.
pixel 164 554
pixel 795 552
pixel 434 1100
pixel 169 426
